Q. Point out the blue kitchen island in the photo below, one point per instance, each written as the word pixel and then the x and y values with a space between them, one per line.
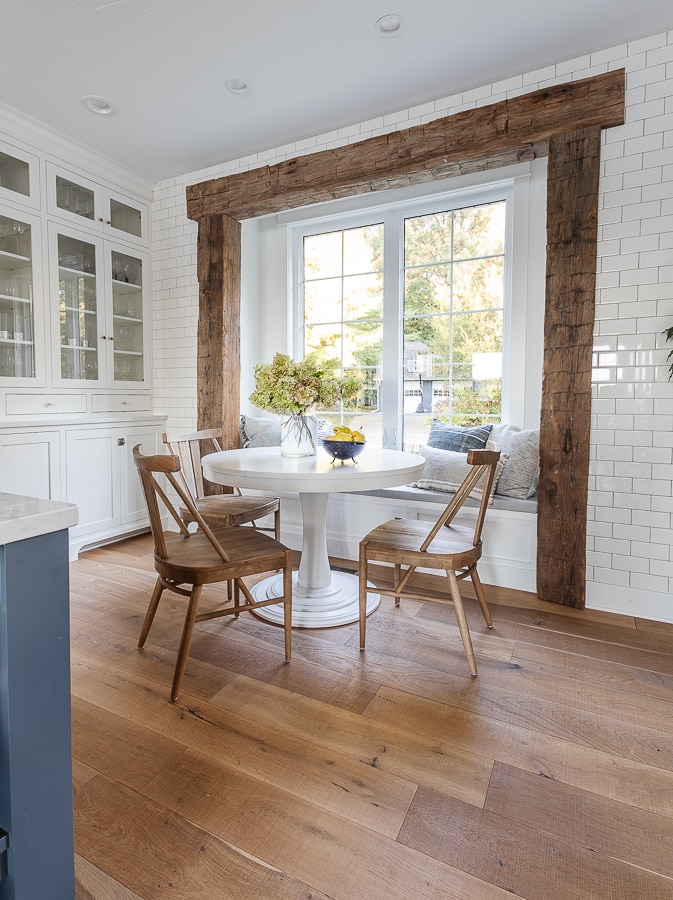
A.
pixel 36 821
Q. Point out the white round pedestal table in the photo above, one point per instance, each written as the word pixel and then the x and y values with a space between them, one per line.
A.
pixel 321 597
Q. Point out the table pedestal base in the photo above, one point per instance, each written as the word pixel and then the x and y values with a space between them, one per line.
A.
pixel 335 604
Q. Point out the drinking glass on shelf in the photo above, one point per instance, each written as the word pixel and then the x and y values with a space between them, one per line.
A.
pixel 19 229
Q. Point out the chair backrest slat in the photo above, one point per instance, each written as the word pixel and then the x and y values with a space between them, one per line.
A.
pixel 169 466
pixel 190 447
pixel 484 462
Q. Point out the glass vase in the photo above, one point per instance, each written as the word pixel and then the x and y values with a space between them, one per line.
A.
pixel 298 435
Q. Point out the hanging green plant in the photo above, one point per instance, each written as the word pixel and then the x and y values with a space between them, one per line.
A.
pixel 669 337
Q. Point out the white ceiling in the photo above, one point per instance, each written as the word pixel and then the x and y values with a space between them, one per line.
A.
pixel 312 65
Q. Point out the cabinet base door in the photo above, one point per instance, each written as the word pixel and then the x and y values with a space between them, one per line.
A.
pixel 93 479
pixel 30 465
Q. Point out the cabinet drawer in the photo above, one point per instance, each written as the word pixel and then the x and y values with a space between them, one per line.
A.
pixel 121 403
pixel 39 404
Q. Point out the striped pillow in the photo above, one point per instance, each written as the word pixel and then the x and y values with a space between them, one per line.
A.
pixel 458 438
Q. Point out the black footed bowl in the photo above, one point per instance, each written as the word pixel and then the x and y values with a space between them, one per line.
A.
pixel 343 449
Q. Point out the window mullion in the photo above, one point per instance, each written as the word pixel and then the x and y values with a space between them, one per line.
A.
pixel 392 389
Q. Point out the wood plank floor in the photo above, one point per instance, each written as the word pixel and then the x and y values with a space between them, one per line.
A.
pixel 385 774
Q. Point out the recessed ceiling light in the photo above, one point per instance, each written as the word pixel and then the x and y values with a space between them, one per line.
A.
pixel 389 26
pixel 98 105
pixel 236 85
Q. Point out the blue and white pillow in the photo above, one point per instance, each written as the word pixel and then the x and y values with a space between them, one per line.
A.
pixel 458 438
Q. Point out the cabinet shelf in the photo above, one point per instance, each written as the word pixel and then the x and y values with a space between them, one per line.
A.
pixel 67 270
pixel 79 309
pixel 6 256
pixel 13 299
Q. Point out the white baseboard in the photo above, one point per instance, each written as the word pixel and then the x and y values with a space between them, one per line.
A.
pixel 630 601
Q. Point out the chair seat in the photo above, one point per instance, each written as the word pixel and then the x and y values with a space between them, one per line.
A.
pixel 453 547
pixel 227 510
pixel 193 559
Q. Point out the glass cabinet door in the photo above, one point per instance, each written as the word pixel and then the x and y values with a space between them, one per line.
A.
pixel 19 176
pixel 127 317
pixel 78 308
pixel 17 321
pixel 75 198
pixel 125 218
pixel 84 202
pixel 14 174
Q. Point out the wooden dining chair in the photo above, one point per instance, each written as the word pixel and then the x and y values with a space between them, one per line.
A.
pixel 224 510
pixel 186 561
pixel 456 549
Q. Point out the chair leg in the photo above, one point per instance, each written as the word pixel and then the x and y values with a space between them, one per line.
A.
pixel 462 621
pixel 479 591
pixel 362 583
pixel 151 612
pixel 237 596
pixel 287 605
pixel 396 581
pixel 186 640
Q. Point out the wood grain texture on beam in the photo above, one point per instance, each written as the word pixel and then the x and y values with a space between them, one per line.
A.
pixel 218 336
pixel 572 225
pixel 473 140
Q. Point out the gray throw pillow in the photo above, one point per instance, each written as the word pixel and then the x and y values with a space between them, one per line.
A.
pixel 259 432
pixel 458 438
pixel 519 477
pixel 445 470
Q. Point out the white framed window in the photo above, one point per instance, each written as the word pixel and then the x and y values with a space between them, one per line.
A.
pixel 273 290
pixel 414 299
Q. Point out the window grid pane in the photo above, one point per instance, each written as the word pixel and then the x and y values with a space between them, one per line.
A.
pixel 453 318
pixel 343 308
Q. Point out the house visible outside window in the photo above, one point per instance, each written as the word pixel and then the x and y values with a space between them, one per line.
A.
pixel 413 300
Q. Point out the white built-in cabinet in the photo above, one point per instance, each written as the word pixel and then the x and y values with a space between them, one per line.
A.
pixel 99 320
pixel 75 330
pixel 73 198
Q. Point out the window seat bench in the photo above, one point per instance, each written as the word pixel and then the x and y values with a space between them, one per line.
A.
pixel 409 492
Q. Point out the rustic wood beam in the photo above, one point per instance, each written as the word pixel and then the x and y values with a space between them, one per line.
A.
pixel 572 227
pixel 218 337
pixel 489 137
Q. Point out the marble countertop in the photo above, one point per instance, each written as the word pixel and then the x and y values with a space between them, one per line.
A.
pixel 26 517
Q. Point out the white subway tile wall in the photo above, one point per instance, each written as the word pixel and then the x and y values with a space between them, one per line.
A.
pixel 630 515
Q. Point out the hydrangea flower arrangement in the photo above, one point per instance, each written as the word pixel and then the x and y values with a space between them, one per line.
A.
pixel 286 387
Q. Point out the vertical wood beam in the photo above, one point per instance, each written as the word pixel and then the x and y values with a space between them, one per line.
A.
pixel 218 334
pixel 572 224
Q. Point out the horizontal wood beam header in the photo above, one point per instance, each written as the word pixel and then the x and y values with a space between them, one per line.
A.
pixel 488 137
